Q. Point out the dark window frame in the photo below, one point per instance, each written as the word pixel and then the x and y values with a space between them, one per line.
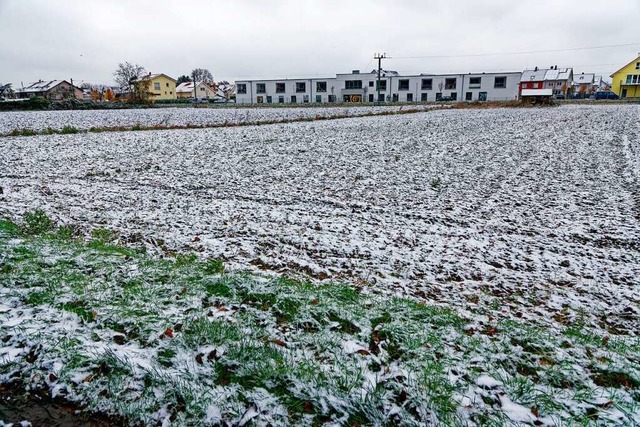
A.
pixel 261 88
pixel 426 84
pixel 502 85
pixel 319 89
pixel 403 84
pixel 451 83
pixel 301 87
pixel 241 89
pixel 281 87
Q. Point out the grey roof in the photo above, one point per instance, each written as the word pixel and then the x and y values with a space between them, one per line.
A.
pixel 546 74
pixel 584 78
pixel 42 86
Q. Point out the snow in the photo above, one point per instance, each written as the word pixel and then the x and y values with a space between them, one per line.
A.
pixel 166 117
pixel 527 215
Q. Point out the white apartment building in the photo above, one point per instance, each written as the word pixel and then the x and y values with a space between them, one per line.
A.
pixel 363 87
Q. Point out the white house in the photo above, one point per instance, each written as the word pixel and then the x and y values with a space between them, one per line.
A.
pixel 185 90
pixel 363 87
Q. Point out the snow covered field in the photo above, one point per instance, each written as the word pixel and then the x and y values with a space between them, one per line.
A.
pixel 523 215
pixel 167 117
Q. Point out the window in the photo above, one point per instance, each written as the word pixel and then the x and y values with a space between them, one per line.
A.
pixel 269 99
pixel 321 87
pixel 353 84
pixel 318 98
pixel 293 99
pixel 438 96
pixel 637 65
pixel 167 84
pixel 241 88
pixel 261 88
pixel 260 99
pixel 500 83
pixel 482 96
pixel 301 87
pixel 475 82
pixel 332 98
pixel 281 100
pixel 403 84
pixel 628 79
pixel 381 97
pixel 201 89
pixel 635 79
pixel 424 97
pixel 454 96
pixel 409 97
pixel 383 85
pixel 450 83
pixel 427 84
pixel 394 98
pixel 371 83
pixel 280 88
pixel 468 96
pixel 156 86
pixel 370 97
pixel 305 98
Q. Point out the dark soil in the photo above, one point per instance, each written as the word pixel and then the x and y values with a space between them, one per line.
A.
pixel 40 410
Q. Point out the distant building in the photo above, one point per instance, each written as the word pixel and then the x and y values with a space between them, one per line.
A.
pixel 50 89
pixel 160 86
pixel 546 83
pixel 356 87
pixel 627 79
pixel 584 84
pixel 185 90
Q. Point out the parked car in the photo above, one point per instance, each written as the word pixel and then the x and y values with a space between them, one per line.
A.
pixel 559 96
pixel 605 94
pixel 444 99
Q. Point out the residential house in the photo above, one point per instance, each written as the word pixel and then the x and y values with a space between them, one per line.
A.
pixel 584 84
pixel 159 86
pixel 546 83
pixel 185 90
pixel 359 87
pixel 50 89
pixel 626 80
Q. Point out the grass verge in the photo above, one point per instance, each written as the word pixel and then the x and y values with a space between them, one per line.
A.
pixel 180 339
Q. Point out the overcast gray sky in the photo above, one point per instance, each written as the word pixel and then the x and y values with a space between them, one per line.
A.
pixel 86 39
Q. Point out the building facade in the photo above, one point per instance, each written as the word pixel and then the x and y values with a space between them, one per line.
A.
pixel 204 91
pixel 547 82
pixel 159 86
pixel 356 87
pixel 626 81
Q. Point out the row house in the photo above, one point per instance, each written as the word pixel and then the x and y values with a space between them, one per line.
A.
pixel 551 82
pixel 359 87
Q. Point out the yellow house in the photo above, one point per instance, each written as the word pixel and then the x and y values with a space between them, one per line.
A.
pixel 626 81
pixel 160 86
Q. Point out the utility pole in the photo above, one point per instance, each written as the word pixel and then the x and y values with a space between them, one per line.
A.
pixel 379 57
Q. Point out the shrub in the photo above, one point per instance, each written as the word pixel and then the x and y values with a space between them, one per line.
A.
pixel 68 130
pixel 37 222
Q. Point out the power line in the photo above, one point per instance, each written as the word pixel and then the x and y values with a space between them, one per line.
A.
pixel 473 55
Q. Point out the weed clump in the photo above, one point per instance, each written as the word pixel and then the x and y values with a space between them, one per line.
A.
pixel 69 130
pixel 37 222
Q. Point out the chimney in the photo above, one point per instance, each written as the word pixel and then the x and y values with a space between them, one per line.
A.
pixel 535 69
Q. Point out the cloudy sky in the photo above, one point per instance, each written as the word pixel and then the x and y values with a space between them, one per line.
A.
pixel 86 39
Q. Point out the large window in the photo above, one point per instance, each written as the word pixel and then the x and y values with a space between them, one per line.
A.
pixel 449 83
pixel 261 88
pixel 293 99
pixel 280 88
pixel 353 84
pixel 500 83
pixel 475 82
pixel 427 84
pixel 383 84
pixel 301 87
pixel 241 88
pixel 321 86
pixel 156 86
pixel 468 96
pixel 403 84
pixel 424 97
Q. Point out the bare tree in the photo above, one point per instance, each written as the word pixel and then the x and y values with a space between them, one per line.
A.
pixel 126 73
pixel 202 75
pixel 129 76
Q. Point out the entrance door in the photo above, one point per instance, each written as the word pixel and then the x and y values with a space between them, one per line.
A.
pixel 624 93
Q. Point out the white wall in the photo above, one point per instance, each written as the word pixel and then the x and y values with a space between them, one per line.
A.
pixel 415 92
